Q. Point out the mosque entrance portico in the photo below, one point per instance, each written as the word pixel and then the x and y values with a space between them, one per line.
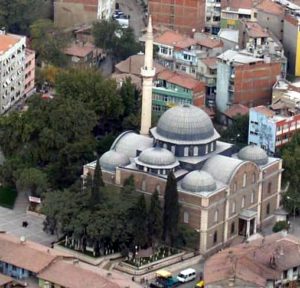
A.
pixel 247 223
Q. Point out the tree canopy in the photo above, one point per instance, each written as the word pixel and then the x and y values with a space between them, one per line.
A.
pixel 117 41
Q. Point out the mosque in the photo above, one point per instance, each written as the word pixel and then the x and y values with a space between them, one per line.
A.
pixel 223 195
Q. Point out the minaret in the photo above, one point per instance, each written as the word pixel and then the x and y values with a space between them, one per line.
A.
pixel 147 72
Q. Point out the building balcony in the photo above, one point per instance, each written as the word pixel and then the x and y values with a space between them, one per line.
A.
pixel 165 56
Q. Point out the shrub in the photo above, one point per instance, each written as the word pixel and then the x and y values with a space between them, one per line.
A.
pixel 280 225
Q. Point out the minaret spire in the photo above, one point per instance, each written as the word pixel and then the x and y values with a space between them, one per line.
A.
pixel 147 73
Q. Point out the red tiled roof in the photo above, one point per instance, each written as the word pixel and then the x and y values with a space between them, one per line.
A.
pixel 270 7
pixel 175 39
pixel 243 4
pixel 210 42
pixel 7 42
pixel 236 110
pixel 4 280
pixel 69 275
pixel 255 30
pixel 250 262
pixel 210 62
pixel 79 50
pixel 182 80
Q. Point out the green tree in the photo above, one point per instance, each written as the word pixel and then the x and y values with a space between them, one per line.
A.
pixel 171 210
pixel 17 15
pixel 128 187
pixel 131 98
pixel 33 180
pixel 291 159
pixel 98 184
pixel 155 219
pixel 48 42
pixel 237 133
pixel 139 221
pixel 119 43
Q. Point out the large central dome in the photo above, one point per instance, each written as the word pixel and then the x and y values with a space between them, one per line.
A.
pixel 185 122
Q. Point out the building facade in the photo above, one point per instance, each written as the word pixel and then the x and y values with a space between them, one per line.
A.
pixel 12 67
pixel 212 16
pixel 185 16
pixel 269 130
pixel 71 13
pixel 29 84
pixel 245 79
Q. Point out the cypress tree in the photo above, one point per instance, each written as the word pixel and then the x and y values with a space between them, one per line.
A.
pixel 96 195
pixel 171 210
pixel 155 219
pixel 139 220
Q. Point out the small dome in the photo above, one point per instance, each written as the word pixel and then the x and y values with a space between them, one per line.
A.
pixel 185 122
pixel 112 159
pixel 198 181
pixel 157 156
pixel 253 153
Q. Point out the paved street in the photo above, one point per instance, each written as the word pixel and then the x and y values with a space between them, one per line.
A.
pixel 11 222
pixel 135 10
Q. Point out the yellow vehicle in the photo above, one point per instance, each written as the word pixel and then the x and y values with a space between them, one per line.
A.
pixel 200 284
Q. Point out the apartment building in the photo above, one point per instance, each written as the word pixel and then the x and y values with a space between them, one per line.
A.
pixel 273 127
pixel 212 16
pixel 245 79
pixel 173 88
pixel 12 69
pixel 185 16
pixel 29 83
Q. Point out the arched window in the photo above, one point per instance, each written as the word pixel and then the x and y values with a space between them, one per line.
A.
pixel 243 201
pixel 206 149
pixel 252 197
pixel 232 228
pixel 196 151
pixel 216 216
pixel 165 145
pixel 186 151
pixel 186 217
pixel 233 207
pixel 268 209
pixel 269 187
pixel 158 188
pixel 254 178
pixel 211 146
pixel 173 149
pixel 215 237
pixel 144 185
pixel 244 179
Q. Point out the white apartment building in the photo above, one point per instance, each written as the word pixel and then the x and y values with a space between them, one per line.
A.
pixel 212 16
pixel 12 69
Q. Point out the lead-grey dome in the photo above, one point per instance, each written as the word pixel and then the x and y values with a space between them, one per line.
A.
pixel 253 153
pixel 112 159
pixel 157 156
pixel 198 181
pixel 185 122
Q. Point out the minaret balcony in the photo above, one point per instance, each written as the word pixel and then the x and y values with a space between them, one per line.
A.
pixel 147 72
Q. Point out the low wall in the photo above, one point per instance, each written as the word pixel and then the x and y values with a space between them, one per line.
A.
pixel 138 271
pixel 86 258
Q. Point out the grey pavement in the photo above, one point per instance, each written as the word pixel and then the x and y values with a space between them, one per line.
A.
pixel 135 10
pixel 11 222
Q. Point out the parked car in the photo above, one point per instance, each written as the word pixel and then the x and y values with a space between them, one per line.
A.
pixel 186 275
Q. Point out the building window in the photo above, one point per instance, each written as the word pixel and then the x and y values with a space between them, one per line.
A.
pixel 269 188
pixel 216 216
pixel 254 178
pixel 144 185
pixel 232 228
pixel 158 188
pixel 186 151
pixel 252 197
pixel 243 201
pixel 268 209
pixel 206 149
pixel 211 146
pixel 186 217
pixel 173 149
pixel 215 237
pixel 196 150
pixel 233 207
pixel 244 179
